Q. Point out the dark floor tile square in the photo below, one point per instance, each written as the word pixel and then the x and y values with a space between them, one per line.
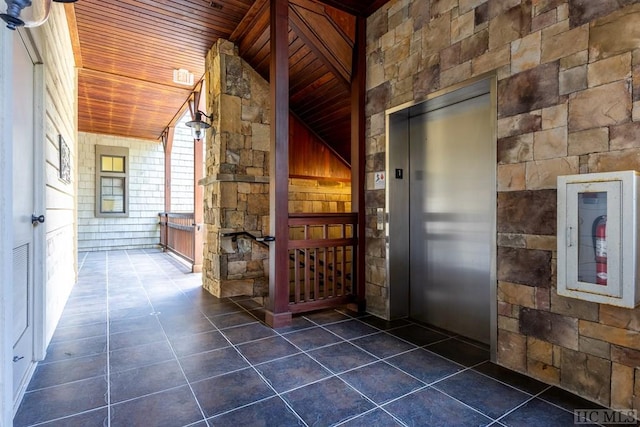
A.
pixel 246 302
pixel 191 344
pixel 82 319
pixel 381 382
pixel 84 306
pixel 127 324
pixel 417 335
pixel 424 365
pixel 234 319
pixel 383 324
pixel 136 337
pixel 268 412
pixel 98 417
pixel 142 355
pixel 65 350
pixel 341 357
pixel 216 309
pixel 537 413
pixel 291 372
pixel 430 407
pixel 326 316
pixel 461 352
pixel 567 400
pixel 61 401
pixel 297 323
pixel 212 363
pixel 375 418
pixel 130 313
pixel 267 349
pixel 383 345
pixel 246 333
pixel 230 391
pixel 351 329
pixel 149 379
pixel 79 332
pixel 189 326
pixel 57 373
pixel 514 379
pixel 327 402
pixel 482 393
pixel 308 339
pixel 175 407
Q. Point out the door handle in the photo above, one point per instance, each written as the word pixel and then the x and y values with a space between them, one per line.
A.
pixel 37 219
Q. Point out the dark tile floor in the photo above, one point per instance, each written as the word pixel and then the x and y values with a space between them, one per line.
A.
pixel 140 344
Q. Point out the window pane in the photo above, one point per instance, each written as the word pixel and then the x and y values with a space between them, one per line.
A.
pixel 107 163
pixel 112 195
pixel 118 164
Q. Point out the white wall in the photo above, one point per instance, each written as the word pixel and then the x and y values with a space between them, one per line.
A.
pixel 182 168
pixel 61 107
pixel 146 196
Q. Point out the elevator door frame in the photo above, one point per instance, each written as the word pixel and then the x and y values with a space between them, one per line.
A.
pixel 397 232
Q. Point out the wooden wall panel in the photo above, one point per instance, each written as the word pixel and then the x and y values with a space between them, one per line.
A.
pixel 309 156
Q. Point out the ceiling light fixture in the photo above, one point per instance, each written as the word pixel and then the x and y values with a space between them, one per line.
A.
pixel 199 126
pixel 29 13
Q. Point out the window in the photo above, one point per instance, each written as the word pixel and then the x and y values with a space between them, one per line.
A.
pixel 112 169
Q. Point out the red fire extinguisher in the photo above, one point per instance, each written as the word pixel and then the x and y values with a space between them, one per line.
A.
pixel 600 247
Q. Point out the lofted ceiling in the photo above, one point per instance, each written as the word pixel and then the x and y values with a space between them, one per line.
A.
pixel 127 50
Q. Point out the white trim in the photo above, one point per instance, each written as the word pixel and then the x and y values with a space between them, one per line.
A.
pixel 6 226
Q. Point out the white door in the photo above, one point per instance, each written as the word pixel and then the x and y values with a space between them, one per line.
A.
pixel 23 208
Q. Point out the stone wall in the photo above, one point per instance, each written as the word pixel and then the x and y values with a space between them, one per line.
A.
pixel 146 196
pixel 236 193
pixel 568 102
pixel 319 195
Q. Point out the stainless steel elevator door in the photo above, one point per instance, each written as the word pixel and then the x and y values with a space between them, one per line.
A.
pixel 452 216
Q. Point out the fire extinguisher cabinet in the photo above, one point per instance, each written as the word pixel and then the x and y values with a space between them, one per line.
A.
pixel 598 237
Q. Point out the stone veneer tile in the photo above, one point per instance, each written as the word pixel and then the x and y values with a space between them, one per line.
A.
pixel 529 90
pixel 481 14
pixel 550 327
pixel 625 356
pixel 426 81
pixel 491 60
pixel 378 98
pixel 467 5
pixel 588 141
pixel 573 307
pixel 564 44
pixel 554 116
pixel 543 6
pixel 525 53
pixel 625 136
pixel 579 58
pixel 512 350
pixel 583 11
pixel 527 212
pixel 505 27
pixel 474 46
pixel 616 33
pixel 619 336
pixel 462 27
pixel 614 161
pixel 516 294
pixel 620 317
pixel 520 124
pixel 511 177
pixel 540 350
pixel 524 266
pixel 550 143
pixel 595 347
pixel 587 375
pixel 546 19
pixel 621 386
pixel 609 70
pixel 543 371
pixel 572 80
pixel 515 149
pixel 449 57
pixel 437 35
pixel 543 174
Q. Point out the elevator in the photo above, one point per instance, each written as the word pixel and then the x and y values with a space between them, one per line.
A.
pixel 441 210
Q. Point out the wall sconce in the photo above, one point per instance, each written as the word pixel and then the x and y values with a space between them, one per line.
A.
pixel 199 126
pixel 34 12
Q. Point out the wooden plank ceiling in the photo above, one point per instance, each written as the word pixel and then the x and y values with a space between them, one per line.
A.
pixel 126 51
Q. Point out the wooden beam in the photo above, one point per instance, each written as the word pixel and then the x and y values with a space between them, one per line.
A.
pixel 278 313
pixel 358 93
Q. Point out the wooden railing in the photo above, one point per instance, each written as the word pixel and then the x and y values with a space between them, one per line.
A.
pixel 322 259
pixel 177 234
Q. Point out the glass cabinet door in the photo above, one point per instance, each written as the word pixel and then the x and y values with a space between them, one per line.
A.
pixel 593 237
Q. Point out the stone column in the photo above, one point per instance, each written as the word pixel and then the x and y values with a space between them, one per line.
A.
pixel 236 183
